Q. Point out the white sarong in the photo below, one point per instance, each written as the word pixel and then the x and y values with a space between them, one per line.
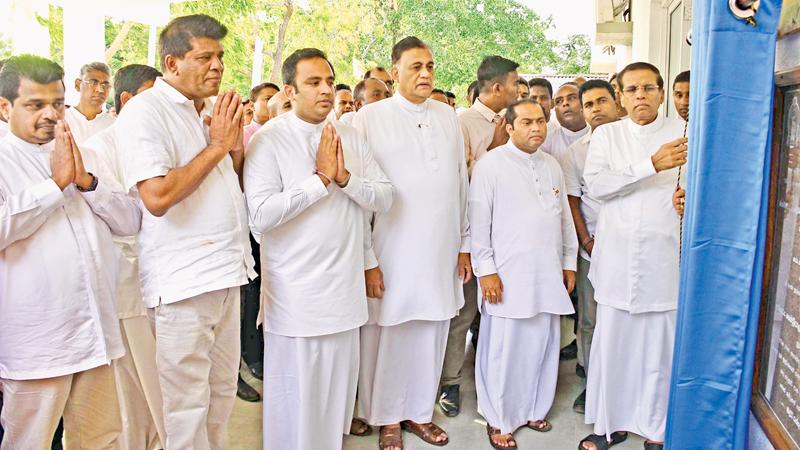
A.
pixel 400 370
pixel 309 390
pixel 627 387
pixel 516 369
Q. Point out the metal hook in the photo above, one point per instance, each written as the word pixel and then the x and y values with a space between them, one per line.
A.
pixel 745 10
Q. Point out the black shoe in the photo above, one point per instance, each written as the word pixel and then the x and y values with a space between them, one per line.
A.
pixel 257 369
pixel 450 400
pixel 580 403
pixel 580 371
pixel 569 352
pixel 245 392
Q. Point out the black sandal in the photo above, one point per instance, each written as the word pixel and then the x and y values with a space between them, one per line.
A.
pixel 600 442
pixel 547 426
pixel 512 443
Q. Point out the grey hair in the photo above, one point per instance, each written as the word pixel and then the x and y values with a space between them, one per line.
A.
pixel 96 66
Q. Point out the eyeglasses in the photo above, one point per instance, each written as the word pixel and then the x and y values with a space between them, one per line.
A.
pixel 648 89
pixel 94 83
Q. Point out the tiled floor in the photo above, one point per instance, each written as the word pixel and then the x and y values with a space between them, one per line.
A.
pixel 467 431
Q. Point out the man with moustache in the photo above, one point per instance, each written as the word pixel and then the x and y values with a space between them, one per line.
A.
pixel 632 168
pixel 343 102
pixel 58 327
pixel 484 128
pixel 570 117
pixel 87 118
pixel 309 183
pixel 422 250
pixel 541 91
pixel 366 91
pixel 184 157
pixel 599 108
pixel 680 94
pixel 525 278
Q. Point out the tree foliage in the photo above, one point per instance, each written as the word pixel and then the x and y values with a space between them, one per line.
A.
pixel 358 35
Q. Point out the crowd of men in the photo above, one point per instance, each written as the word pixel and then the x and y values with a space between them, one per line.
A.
pixel 372 227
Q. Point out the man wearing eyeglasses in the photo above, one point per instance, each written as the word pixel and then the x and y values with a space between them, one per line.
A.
pixel 87 118
pixel 632 170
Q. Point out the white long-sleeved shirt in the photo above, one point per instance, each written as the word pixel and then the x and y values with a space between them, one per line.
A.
pixel 521 229
pixel 477 125
pixel 573 163
pixel 102 150
pixel 312 237
pixel 417 242
pixel 560 138
pixel 201 244
pixel 635 257
pixel 83 128
pixel 3 129
pixel 57 267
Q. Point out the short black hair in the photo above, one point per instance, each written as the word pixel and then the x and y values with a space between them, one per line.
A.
pixel 595 84
pixel 438 91
pixel 492 69
pixel 641 65
pixel 342 87
pixel 289 69
pixel 96 66
pixel 129 79
pixel 368 74
pixel 523 82
pixel 682 77
pixel 473 90
pixel 260 87
pixel 405 44
pixel 543 83
pixel 30 67
pixel 176 38
pixel 511 110
pixel 449 94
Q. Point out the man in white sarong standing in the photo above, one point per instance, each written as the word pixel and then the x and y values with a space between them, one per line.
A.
pixel 422 248
pixel 632 168
pixel 524 277
pixel 308 183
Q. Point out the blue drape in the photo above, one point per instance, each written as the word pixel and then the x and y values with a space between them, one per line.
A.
pixel 725 226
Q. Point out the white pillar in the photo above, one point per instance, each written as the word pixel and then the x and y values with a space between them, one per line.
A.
pixel 84 42
pixel 27 35
pixel 258 62
pixel 151 47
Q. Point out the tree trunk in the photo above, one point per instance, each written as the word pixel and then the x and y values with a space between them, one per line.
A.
pixel 277 55
pixel 118 40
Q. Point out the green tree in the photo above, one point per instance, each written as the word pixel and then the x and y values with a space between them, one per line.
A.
pixel 576 54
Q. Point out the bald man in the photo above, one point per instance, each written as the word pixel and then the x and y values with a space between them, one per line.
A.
pixel 278 104
pixel 383 75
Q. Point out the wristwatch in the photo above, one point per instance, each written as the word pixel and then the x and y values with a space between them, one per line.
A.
pixel 92 185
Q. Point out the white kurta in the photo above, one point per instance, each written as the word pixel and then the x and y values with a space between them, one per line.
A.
pixel 635 257
pixel 138 389
pixel 57 267
pixel 522 230
pixel 202 244
pixel 417 242
pixel 83 128
pixel 560 138
pixel 573 164
pixel 313 237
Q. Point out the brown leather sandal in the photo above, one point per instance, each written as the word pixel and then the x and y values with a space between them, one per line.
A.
pixel 390 438
pixel 428 432
pixel 496 445
pixel 358 427
pixel 544 426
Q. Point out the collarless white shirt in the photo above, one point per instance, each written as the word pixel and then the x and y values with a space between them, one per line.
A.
pixel 477 125
pixel 57 267
pixel 421 149
pixel 201 244
pixel 559 140
pixel 521 229
pixel 102 150
pixel 313 238
pixel 573 163
pixel 3 129
pixel 635 256
pixel 347 118
pixel 83 128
